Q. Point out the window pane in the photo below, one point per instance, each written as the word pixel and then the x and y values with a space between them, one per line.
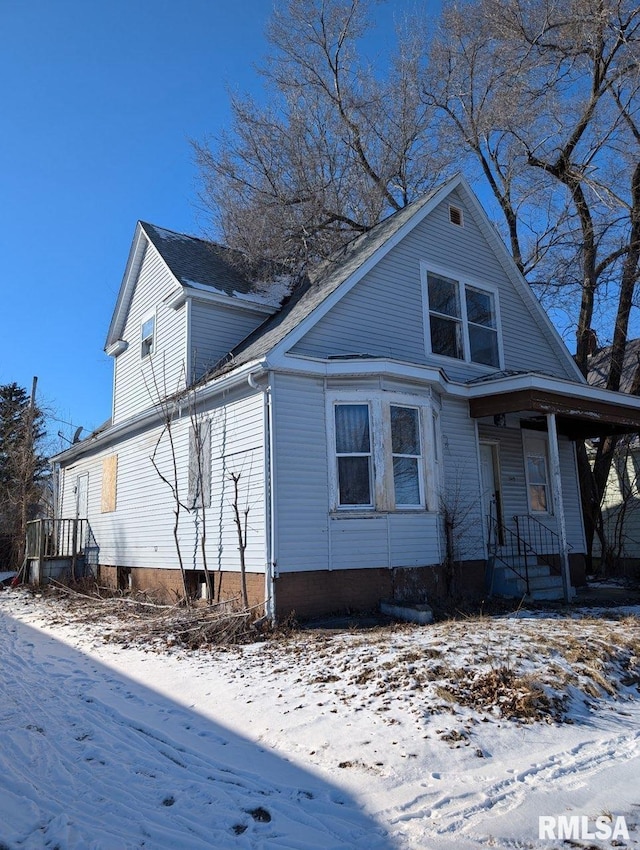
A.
pixel 443 296
pixel 405 479
pixel 353 475
pixel 147 328
pixel 536 470
pixel 405 434
pixel 538 497
pixel 446 337
pixel 484 345
pixel 480 307
pixel 352 428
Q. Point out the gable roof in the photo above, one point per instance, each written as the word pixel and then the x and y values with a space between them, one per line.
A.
pixel 199 265
pixel 350 260
pixel 349 264
pixel 194 261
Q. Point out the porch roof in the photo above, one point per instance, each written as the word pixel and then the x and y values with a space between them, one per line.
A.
pixel 582 411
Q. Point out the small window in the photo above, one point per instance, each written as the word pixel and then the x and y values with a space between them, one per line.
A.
pixel 455 216
pixel 353 452
pixel 147 333
pixel 537 475
pixel 407 456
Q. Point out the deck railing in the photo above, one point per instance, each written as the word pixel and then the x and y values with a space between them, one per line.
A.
pixel 56 538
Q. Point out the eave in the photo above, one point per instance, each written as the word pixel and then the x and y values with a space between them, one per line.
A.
pixel 580 415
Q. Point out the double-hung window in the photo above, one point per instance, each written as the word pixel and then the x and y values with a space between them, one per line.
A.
pixel 353 453
pixel 379 456
pixel 462 320
pixel 406 447
pixel 537 474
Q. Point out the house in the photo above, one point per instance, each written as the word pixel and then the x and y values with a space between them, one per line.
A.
pixel 401 427
pixel 621 502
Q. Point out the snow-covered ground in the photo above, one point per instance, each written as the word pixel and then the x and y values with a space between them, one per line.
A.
pixel 394 738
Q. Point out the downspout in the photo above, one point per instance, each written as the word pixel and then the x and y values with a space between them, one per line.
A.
pixel 270 536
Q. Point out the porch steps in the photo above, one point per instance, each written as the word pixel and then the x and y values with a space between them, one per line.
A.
pixel 543 584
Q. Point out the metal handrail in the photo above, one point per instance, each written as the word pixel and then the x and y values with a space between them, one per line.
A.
pixel 505 543
pixel 543 540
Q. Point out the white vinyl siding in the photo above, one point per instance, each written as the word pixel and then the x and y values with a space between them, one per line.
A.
pixel 140 380
pixel 139 532
pixel 383 315
pixel 214 330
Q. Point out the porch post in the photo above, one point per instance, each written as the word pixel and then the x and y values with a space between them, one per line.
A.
pixel 556 485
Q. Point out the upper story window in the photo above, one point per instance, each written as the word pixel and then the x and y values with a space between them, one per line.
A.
pixel 147 336
pixel 463 320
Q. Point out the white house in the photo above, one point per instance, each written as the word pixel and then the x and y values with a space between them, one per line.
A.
pixel 402 426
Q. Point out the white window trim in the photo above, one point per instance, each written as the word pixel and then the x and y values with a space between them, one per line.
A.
pixel 463 282
pixel 382 481
pixel 537 435
pixel 334 455
pixel 154 338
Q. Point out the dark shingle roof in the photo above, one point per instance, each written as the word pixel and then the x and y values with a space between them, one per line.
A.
pixel 194 260
pixel 599 366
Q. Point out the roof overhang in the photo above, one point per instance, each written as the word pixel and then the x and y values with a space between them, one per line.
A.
pixel 581 411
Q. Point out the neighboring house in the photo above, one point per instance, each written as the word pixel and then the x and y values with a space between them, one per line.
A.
pixel 621 502
pixel 394 426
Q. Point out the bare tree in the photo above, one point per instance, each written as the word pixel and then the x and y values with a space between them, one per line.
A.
pixel 340 144
pixel 22 467
pixel 168 407
pixel 241 519
pixel 545 99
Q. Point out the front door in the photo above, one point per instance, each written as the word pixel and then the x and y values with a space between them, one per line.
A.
pixel 490 484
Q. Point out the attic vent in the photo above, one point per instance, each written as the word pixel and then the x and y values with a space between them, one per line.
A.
pixel 455 216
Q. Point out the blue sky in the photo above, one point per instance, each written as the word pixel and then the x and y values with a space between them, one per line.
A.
pixel 99 101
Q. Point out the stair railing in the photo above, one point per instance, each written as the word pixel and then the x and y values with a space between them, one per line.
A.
pixel 542 540
pixel 506 545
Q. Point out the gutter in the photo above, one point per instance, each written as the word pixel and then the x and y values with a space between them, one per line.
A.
pixel 151 416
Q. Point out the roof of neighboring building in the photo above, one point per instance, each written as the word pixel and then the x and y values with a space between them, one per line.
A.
pixel 599 366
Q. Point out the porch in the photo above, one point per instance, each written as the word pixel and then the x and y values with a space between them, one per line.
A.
pixel 58 549
pixel 534 516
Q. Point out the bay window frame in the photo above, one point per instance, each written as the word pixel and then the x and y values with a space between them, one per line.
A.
pixel 382 483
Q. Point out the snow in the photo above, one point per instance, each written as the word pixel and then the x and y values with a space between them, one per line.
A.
pixel 266 293
pixel 317 740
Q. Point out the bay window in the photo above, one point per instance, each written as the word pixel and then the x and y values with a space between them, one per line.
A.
pixel 379 459
pixel 353 452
